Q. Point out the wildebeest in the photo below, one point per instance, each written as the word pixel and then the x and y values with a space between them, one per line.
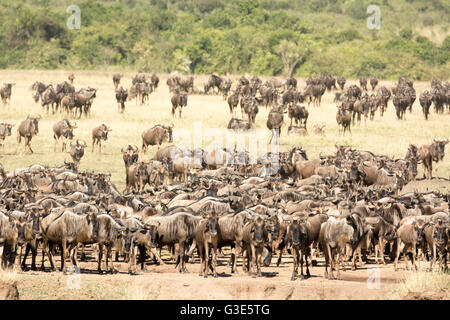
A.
pixel 254 239
pixel 67 229
pixel 98 134
pixel 344 120
pixel 425 100
pixel 71 77
pixel 214 81
pixel 207 238
pixel 179 100
pixel 156 135
pixel 299 237
pixel 363 83
pixel 5 93
pixel 373 82
pixel 341 82
pixel 297 131
pixel 77 150
pixel 5 131
pixel 178 228
pixel 27 129
pixel 121 97
pixel 116 79
pixel 63 129
pixel 274 123
pixel 409 237
pixel 298 113
pixel 429 153
pixel 335 235
pixel 238 125
pixel 233 101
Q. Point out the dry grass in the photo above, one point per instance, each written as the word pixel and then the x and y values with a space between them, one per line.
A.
pixel 385 135
pixel 425 285
pixel 138 291
pixel 9 276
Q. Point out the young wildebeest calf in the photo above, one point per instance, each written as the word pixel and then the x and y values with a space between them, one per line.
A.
pixel 206 238
pixel 299 237
pixel 254 239
pixel 5 93
pixel 98 134
pixel 179 100
pixel 409 236
pixel 5 131
pixel 63 129
pixel 27 129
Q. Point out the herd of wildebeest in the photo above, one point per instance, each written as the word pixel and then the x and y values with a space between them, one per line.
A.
pixel 345 206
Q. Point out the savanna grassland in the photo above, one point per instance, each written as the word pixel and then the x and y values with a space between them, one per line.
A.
pixel 385 135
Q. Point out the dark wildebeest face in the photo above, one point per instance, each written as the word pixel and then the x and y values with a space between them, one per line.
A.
pixel 34 218
pixel 419 231
pixel 127 236
pixel 130 155
pixel 152 232
pixel 91 219
pixel 259 231
pixel 21 233
pixel 212 225
pixel 295 231
pixel 440 234
pixel 169 133
pixel 441 148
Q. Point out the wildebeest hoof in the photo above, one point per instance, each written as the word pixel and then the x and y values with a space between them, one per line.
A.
pixel 205 276
pixel 293 278
pixel 215 275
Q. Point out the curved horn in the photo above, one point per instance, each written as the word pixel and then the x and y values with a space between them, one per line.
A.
pixel 136 149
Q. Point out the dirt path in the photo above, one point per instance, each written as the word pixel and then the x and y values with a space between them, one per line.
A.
pixel 164 282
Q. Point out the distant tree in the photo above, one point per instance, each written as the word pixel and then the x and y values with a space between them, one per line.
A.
pixel 291 54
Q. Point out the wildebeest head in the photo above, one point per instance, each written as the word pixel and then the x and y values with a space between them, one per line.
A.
pixel 169 133
pixel 6 129
pixel 295 232
pixel 77 150
pixel 440 234
pixel 130 155
pixel 91 219
pixel 212 224
pixel 440 146
pixel 152 231
pixel 33 124
pixel 104 132
pixel 259 230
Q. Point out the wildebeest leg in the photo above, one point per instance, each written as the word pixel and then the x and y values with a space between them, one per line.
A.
pixel 142 256
pixel 63 255
pixel 27 250
pixel 156 255
pixel 100 257
pixel 295 265
pixel 214 260
pixel 433 258
pixel 328 261
pixel 397 254
pixel 307 254
pixel 132 264
pixel 33 255
pixel 181 245
pixel 109 256
pixel 205 259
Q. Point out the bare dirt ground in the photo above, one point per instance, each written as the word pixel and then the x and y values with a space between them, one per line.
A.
pixel 369 282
